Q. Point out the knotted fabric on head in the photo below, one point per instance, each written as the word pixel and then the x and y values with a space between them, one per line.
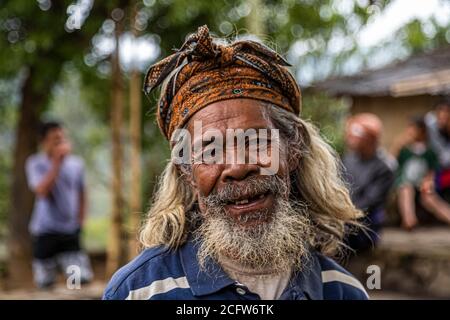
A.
pixel 202 72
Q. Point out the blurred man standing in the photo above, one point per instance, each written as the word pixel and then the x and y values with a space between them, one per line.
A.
pixel 369 175
pixel 57 179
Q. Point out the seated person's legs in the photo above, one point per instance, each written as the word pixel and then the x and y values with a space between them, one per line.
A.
pixel 406 205
pixel 433 203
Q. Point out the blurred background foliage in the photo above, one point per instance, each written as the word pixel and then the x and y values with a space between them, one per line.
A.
pixel 55 61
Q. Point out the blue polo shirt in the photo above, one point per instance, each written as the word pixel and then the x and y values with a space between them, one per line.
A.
pixel 58 212
pixel 162 274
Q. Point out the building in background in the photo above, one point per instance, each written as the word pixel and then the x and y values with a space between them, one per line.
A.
pixel 395 92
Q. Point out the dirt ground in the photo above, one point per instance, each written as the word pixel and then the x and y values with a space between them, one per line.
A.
pixel 92 291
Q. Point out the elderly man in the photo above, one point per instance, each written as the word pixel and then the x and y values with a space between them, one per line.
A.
pixel 369 175
pixel 230 229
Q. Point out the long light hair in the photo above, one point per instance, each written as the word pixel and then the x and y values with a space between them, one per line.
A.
pixel 316 181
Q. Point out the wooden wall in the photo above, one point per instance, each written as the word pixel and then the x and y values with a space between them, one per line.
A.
pixel 393 112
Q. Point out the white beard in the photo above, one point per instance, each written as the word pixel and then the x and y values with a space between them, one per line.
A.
pixel 281 243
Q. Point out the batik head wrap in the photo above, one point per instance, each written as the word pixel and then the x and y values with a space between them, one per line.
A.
pixel 202 72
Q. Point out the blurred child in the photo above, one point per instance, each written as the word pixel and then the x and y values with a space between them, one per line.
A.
pixel 417 164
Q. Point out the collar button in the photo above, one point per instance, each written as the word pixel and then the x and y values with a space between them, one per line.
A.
pixel 241 291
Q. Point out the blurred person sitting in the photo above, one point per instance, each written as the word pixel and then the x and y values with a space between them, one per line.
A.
pixel 438 127
pixel 417 164
pixel 57 179
pixel 369 174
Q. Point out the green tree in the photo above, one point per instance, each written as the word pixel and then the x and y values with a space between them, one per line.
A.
pixel 33 40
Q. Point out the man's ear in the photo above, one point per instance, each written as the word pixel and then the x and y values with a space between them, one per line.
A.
pixel 186 174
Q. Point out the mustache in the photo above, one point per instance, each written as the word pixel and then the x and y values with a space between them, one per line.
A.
pixel 251 187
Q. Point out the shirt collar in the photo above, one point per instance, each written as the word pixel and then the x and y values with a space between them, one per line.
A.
pixel 202 281
pixel 309 280
pixel 212 278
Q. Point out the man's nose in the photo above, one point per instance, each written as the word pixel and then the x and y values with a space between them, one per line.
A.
pixel 238 172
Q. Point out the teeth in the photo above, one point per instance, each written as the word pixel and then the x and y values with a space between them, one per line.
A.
pixel 245 201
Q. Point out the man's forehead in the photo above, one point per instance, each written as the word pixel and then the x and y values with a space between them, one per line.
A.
pixel 55 132
pixel 231 114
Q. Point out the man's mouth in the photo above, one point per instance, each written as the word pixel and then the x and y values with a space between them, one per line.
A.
pixel 248 200
pixel 249 204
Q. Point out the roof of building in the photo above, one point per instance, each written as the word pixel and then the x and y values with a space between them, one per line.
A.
pixel 426 73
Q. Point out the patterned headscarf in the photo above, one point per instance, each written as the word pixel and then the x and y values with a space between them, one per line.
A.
pixel 202 72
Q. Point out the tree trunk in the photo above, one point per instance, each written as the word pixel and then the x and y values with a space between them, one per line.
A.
pixel 255 20
pixel 22 199
pixel 135 137
pixel 116 244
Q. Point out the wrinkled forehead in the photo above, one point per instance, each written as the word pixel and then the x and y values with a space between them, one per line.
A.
pixel 231 114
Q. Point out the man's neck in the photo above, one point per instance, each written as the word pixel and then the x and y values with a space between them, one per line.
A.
pixel 236 267
pixel 268 283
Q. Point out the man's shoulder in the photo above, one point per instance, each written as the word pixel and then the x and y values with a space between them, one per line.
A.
pixel 151 265
pixel 35 158
pixel 338 283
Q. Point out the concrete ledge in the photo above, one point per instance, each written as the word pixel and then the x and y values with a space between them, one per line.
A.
pixel 413 263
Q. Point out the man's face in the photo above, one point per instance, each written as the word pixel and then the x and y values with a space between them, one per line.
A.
pixel 54 139
pixel 237 182
pixel 246 215
pixel 358 140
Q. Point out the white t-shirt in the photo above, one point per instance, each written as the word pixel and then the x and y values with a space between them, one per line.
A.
pixel 267 284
